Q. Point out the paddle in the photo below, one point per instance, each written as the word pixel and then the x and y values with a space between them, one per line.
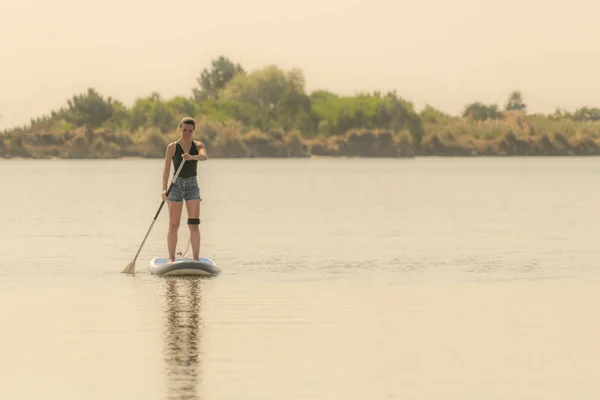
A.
pixel 184 254
pixel 130 268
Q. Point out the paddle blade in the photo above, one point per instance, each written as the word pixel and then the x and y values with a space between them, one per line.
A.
pixel 130 268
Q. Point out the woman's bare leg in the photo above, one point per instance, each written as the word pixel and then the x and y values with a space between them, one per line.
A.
pixel 193 211
pixel 174 220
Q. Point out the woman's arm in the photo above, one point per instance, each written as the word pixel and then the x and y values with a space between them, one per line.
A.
pixel 201 152
pixel 167 166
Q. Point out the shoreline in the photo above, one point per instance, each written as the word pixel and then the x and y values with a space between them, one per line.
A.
pixel 87 143
pixel 312 157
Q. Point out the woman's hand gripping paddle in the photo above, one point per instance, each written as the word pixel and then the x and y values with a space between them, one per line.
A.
pixel 130 268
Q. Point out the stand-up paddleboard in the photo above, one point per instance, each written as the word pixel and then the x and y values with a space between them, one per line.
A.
pixel 183 266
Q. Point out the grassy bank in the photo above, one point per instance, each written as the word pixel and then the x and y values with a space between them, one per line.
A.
pixel 456 138
pixel 267 113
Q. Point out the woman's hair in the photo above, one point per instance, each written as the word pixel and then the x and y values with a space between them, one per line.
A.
pixel 188 120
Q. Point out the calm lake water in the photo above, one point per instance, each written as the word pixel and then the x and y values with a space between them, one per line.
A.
pixel 342 279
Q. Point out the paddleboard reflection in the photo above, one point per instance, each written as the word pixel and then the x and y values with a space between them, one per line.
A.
pixel 183 333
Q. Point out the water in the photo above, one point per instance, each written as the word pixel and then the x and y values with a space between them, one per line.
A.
pixel 342 279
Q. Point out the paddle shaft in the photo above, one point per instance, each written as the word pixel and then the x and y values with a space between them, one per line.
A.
pixel 159 208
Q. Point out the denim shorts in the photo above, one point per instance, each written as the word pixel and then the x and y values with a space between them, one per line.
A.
pixel 185 189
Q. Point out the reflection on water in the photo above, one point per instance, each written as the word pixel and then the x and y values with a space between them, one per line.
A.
pixel 183 333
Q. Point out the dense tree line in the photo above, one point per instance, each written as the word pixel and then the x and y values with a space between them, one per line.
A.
pixel 271 99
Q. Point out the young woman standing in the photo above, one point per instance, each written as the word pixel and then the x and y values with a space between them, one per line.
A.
pixel 185 187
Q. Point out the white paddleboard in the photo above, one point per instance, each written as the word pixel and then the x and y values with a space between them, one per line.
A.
pixel 183 266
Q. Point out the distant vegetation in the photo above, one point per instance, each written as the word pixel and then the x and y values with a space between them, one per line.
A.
pixel 268 113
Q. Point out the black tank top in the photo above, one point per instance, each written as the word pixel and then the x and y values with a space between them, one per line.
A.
pixel 189 168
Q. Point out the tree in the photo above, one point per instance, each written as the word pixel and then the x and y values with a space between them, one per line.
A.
pixel 213 81
pixel 515 102
pixel 89 108
pixel 432 115
pixel 586 114
pixel 337 115
pixel 478 111
pixel 152 111
pixel 268 98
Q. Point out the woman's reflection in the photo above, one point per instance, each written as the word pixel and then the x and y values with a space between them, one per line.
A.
pixel 183 333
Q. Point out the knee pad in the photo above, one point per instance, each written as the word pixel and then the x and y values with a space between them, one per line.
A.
pixel 193 221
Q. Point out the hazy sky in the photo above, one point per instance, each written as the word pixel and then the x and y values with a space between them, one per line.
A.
pixel 445 53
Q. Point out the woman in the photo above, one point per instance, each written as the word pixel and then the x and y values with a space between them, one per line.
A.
pixel 185 187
